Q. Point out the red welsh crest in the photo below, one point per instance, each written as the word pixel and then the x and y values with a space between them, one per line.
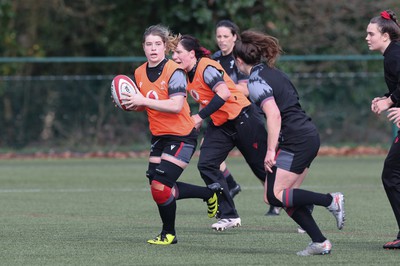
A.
pixel 152 95
pixel 195 95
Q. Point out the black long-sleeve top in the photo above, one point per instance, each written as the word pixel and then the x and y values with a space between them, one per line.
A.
pixel 391 66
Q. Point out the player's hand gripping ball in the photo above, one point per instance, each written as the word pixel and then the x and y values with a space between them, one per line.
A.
pixel 119 84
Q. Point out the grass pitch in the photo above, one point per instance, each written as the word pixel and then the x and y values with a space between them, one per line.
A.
pixel 100 212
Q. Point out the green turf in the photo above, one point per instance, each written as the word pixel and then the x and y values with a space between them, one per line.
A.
pixel 100 212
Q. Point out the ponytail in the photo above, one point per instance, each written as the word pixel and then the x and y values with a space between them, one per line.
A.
pixel 388 23
pixel 255 47
pixel 191 43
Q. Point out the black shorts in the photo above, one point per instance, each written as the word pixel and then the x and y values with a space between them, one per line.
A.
pixel 180 147
pixel 297 155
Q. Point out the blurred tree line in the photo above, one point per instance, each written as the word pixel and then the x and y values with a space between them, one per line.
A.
pixel 115 28
pixel 93 28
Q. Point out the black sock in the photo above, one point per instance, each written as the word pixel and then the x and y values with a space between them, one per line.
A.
pixel 229 178
pixel 168 214
pixel 303 217
pixel 300 197
pixel 186 191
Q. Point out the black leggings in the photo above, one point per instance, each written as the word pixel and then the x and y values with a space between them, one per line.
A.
pixel 246 132
pixel 391 178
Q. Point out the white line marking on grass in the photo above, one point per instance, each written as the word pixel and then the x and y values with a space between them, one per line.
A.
pixel 70 190
pixel 94 190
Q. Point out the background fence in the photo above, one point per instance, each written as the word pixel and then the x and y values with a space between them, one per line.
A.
pixel 75 112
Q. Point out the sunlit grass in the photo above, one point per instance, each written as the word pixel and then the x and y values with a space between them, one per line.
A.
pixel 100 212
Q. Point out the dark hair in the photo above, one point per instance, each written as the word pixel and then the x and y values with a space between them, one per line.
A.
pixel 191 43
pixel 230 25
pixel 388 23
pixel 255 47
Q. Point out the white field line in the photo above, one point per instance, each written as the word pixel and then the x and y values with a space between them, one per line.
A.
pixel 68 190
pixel 95 190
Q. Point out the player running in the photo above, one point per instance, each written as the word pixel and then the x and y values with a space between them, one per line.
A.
pixel 226 34
pixel 234 122
pixel 293 140
pixel 174 137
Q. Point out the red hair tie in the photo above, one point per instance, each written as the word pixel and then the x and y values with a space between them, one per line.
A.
pixel 205 52
pixel 385 15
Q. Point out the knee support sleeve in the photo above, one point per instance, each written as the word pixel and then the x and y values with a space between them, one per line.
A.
pixel 270 190
pixel 167 173
pixel 151 172
pixel 272 199
pixel 161 193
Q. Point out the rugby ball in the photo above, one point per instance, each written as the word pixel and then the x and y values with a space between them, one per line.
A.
pixel 119 84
